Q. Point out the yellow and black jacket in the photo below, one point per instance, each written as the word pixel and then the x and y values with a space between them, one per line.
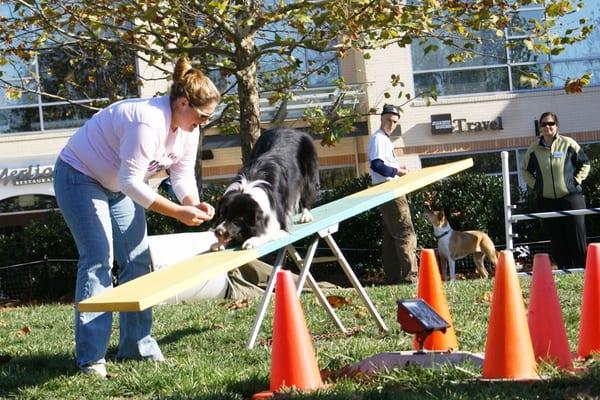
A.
pixel 555 171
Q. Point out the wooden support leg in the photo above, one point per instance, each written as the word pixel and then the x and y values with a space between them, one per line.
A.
pixel 304 266
pixel 265 299
pixel 355 282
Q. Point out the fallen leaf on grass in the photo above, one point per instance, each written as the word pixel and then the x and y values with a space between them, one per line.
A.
pixel 7 304
pixel 236 305
pixel 326 336
pixel 348 333
pixel 346 372
pixel 338 301
pixel 361 313
pixel 2 323
pixel 487 298
pixel 24 331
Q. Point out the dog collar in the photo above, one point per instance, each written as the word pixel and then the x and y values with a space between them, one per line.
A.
pixel 443 234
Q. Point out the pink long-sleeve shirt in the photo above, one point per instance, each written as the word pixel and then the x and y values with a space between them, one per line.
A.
pixel 126 143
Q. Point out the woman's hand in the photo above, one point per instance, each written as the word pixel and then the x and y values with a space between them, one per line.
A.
pixel 191 212
pixel 193 215
pixel 207 208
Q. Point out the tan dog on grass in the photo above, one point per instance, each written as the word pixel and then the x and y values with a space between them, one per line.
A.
pixel 454 245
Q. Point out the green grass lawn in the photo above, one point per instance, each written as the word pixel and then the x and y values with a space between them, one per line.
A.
pixel 206 356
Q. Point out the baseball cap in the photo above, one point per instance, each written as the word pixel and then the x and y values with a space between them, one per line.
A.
pixel 390 109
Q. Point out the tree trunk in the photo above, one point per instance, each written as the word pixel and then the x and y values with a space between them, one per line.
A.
pixel 248 96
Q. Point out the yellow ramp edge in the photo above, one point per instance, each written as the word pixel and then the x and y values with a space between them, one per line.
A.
pixel 151 289
pixel 417 179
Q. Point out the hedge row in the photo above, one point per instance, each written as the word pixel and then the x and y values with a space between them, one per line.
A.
pixel 473 201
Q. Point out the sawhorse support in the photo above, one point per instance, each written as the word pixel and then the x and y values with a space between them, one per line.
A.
pixel 305 275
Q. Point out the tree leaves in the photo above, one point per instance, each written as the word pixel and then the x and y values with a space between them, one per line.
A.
pixel 234 39
pixel 575 86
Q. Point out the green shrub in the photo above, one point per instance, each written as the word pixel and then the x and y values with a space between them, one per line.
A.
pixel 361 234
pixel 472 201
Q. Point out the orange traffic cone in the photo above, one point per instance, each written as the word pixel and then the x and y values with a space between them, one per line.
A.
pixel 589 328
pixel 508 349
pixel 431 290
pixel 544 317
pixel 293 361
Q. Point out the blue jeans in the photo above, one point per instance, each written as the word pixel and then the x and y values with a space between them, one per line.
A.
pixel 106 226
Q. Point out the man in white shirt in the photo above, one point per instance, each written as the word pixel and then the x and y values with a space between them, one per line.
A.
pixel 399 245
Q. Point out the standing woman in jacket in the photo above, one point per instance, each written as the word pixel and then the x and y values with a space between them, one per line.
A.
pixel 555 167
pixel 101 186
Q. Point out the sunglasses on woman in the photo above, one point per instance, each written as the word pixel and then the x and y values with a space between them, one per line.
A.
pixel 549 123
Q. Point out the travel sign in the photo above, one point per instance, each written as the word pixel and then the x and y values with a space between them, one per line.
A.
pixel 443 124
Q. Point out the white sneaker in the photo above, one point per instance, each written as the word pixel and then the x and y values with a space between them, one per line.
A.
pixel 96 368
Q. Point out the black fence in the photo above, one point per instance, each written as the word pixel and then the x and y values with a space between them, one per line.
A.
pixel 53 280
pixel 44 281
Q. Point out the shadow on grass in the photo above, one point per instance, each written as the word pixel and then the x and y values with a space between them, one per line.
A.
pixel 28 371
pixel 245 389
pixel 179 334
pixel 583 385
pixel 249 386
pixel 165 340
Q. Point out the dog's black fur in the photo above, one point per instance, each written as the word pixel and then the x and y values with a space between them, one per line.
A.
pixel 280 175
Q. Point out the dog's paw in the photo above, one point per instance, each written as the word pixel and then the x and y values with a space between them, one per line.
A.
pixel 217 246
pixel 306 216
pixel 252 243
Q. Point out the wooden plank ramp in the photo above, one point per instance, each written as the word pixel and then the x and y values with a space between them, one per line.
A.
pixel 153 288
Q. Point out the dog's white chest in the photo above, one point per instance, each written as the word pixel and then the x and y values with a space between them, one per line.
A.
pixel 444 244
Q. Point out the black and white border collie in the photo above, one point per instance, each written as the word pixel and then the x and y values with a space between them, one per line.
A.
pixel 279 178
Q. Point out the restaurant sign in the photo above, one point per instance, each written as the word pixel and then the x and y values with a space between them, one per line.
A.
pixel 32 175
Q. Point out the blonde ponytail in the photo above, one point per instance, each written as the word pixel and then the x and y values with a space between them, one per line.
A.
pixel 181 68
pixel 191 83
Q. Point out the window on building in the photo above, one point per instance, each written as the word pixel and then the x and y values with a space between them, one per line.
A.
pixel 503 63
pixel 331 178
pixel 312 69
pixel 29 202
pixel 102 74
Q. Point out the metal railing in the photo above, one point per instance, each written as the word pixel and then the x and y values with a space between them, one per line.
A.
pixel 510 218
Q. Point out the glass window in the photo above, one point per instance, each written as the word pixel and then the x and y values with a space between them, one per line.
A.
pixel 28 203
pixel 489 71
pixel 66 116
pixel 589 47
pixel 520 53
pixel 521 22
pixel 26 97
pixel 331 178
pixel 15 120
pixel 489 52
pixel 521 75
pixel 564 70
pixel 95 77
pixel 448 83
pixel 14 69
